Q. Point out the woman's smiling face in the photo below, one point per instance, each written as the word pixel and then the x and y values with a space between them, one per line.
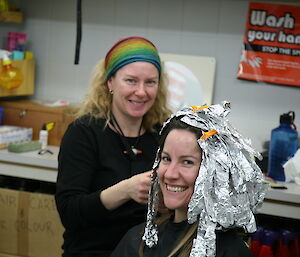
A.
pixel 178 170
pixel 134 89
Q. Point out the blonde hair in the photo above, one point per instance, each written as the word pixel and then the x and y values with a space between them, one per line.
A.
pixel 98 101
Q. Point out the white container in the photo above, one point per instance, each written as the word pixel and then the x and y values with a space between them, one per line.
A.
pixel 43 139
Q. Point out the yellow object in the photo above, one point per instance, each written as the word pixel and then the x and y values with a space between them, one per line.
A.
pixel 4 5
pixel 10 77
pixel 208 134
pixel 50 125
pixel 27 67
pixel 28 55
pixel 11 16
pixel 195 108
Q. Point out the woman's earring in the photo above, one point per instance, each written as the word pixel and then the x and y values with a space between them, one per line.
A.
pixel 111 92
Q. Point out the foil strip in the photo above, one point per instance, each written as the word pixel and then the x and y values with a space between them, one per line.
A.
pixel 229 188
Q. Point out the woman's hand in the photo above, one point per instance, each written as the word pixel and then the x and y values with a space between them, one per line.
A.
pixel 138 187
pixel 135 188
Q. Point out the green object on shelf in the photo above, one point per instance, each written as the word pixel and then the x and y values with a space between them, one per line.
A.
pixel 26 146
pixel 4 5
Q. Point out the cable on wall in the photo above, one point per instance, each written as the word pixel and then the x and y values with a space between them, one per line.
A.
pixel 78 31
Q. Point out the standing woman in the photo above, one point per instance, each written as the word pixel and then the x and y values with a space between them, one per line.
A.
pixel 107 153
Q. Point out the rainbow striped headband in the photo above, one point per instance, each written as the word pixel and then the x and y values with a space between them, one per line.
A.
pixel 128 50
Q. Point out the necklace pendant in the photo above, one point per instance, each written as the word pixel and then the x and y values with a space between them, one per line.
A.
pixel 134 150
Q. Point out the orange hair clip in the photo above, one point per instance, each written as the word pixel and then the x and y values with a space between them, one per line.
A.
pixel 195 108
pixel 208 134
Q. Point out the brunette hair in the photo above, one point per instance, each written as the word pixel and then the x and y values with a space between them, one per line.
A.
pixel 185 242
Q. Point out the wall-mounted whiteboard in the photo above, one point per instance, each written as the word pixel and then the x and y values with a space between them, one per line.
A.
pixel 191 79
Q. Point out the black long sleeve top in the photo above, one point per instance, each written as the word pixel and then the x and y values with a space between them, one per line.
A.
pixel 228 244
pixel 91 159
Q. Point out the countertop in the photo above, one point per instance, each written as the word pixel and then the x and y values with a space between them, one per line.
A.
pixel 31 165
pixel 291 194
pixel 32 158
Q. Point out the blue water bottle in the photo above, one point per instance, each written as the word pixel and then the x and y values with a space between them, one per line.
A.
pixel 283 145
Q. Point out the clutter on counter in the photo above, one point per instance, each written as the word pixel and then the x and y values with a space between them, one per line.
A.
pixel 11 77
pixel 14 134
pixel 35 114
pixel 17 70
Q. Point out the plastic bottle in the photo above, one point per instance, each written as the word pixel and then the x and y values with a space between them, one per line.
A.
pixel 283 145
pixel 10 77
pixel 43 139
pixel 256 241
pixel 268 241
pixel 283 245
pixel 295 246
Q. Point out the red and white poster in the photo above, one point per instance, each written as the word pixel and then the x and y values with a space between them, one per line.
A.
pixel 271 46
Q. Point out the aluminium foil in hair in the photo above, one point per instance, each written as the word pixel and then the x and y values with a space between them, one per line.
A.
pixel 151 233
pixel 204 244
pixel 156 161
pixel 228 176
pixel 229 187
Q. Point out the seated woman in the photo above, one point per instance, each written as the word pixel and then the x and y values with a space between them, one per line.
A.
pixel 206 178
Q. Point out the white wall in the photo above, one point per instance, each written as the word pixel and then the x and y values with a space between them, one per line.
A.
pixel 195 27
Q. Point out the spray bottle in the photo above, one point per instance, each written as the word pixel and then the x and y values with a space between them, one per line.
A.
pixel 10 77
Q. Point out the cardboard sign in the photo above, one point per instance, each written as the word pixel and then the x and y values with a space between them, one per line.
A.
pixel 29 224
pixel 271 46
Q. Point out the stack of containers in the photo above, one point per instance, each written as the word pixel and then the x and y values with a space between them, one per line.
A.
pixel 267 242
